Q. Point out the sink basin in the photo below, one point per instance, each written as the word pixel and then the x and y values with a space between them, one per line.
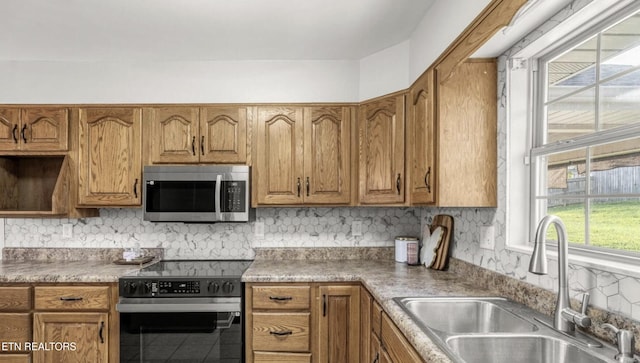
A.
pixel 464 315
pixel 526 349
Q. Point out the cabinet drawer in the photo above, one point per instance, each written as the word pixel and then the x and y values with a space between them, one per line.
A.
pixel 72 298
pixel 15 298
pixel 269 357
pixel 281 332
pixel 376 315
pixel 15 328
pixel 14 358
pixel 281 297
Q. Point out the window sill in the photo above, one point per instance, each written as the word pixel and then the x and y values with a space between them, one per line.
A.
pixel 589 259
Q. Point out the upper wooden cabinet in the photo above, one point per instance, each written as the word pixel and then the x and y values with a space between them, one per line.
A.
pixel 381 137
pixel 302 155
pixel 466 171
pixel 198 135
pixel 421 140
pixel 109 157
pixel 174 134
pixel 34 129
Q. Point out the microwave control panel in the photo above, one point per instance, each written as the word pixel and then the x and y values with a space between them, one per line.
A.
pixel 234 194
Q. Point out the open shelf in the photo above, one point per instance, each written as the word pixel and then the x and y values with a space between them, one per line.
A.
pixel 34 186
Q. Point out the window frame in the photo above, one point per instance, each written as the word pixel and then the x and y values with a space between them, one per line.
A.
pixel 538 88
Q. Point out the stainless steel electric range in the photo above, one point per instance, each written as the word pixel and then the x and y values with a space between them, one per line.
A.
pixel 183 311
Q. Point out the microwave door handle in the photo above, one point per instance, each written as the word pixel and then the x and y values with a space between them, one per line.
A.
pixel 217 199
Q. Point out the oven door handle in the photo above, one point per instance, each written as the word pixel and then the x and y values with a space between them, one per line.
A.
pixel 230 306
pixel 218 196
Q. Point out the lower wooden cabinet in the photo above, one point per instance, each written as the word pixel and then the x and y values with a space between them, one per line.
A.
pixel 270 357
pixel 381 341
pixel 339 324
pixel 320 323
pixel 281 331
pixel 15 358
pixel 59 323
pixel 395 344
pixel 86 336
pixel 302 323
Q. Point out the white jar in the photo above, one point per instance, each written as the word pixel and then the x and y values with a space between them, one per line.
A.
pixel 401 247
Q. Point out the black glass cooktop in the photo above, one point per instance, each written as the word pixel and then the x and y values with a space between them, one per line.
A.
pixel 196 268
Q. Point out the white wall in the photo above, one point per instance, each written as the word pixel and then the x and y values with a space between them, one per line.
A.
pixel 442 23
pixel 178 81
pixel 157 81
pixel 385 71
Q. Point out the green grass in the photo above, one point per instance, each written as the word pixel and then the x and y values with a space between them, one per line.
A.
pixel 612 225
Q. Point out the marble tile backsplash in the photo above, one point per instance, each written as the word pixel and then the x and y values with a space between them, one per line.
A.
pixel 283 227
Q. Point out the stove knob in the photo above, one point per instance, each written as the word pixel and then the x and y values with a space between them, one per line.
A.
pixel 213 287
pixel 227 287
pixel 130 288
pixel 145 288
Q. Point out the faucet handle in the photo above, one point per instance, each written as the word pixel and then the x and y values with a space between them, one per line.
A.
pixel 625 341
pixel 585 303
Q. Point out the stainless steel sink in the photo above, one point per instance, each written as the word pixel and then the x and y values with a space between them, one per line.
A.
pixel 464 315
pixel 508 349
pixel 496 330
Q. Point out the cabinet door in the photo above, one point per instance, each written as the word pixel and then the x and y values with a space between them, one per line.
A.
pixel 223 135
pixel 279 161
pixel 339 328
pixel 396 345
pixel 9 128
pixel 467 136
pixel 365 325
pixel 109 156
pixel 381 137
pixel 89 332
pixel 377 352
pixel 174 134
pixel 44 129
pixel 421 140
pixel 327 155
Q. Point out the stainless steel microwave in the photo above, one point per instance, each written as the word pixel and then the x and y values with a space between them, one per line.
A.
pixel 196 193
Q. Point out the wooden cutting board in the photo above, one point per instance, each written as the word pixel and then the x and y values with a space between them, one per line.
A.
pixel 442 250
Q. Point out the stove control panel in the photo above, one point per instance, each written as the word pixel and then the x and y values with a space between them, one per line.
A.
pixel 212 287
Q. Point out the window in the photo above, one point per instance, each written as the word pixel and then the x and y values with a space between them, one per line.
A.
pixel 586 148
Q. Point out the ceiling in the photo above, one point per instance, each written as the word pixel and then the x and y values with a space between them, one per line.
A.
pixel 63 30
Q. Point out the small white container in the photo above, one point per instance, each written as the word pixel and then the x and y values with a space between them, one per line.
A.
pixel 401 247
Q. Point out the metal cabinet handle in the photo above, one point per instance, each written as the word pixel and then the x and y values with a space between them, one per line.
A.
pixel 398 180
pixel 426 179
pixel 100 332
pixel 202 145
pixel 135 188
pixel 281 333
pixel 307 186
pixel 193 146
pixel 15 133
pixel 22 133
pixel 71 298
pixel 298 187
pixel 324 305
pixel 280 298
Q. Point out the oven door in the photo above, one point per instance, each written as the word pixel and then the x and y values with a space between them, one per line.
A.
pixel 180 330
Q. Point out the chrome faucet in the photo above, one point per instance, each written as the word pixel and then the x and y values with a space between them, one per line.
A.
pixel 565 318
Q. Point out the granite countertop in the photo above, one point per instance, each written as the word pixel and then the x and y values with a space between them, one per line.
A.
pixel 384 279
pixel 62 271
